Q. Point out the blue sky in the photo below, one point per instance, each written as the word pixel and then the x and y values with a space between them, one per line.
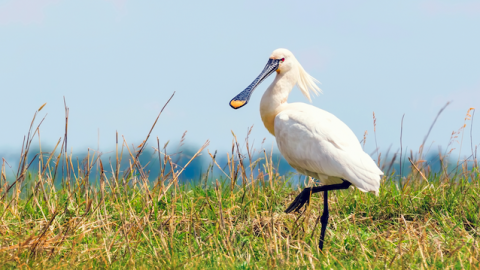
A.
pixel 117 62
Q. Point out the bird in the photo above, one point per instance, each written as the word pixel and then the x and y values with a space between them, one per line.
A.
pixel 313 141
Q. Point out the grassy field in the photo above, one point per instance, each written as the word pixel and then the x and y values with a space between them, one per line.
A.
pixel 120 219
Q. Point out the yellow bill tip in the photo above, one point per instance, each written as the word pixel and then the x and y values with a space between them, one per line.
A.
pixel 237 103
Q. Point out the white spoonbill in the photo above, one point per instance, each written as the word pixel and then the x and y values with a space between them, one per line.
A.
pixel 313 141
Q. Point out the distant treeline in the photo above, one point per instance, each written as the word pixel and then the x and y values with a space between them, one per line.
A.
pixel 153 163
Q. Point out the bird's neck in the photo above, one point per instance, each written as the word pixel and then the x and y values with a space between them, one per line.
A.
pixel 275 97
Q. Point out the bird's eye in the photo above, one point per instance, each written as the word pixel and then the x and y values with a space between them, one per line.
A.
pixel 283 59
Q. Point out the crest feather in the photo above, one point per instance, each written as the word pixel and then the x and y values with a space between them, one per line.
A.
pixel 307 83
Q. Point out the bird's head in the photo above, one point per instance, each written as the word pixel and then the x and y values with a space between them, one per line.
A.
pixel 278 61
pixel 281 61
pixel 286 60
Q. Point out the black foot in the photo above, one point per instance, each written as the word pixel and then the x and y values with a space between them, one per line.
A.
pixel 300 200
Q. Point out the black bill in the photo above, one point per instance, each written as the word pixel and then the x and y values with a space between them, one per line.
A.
pixel 242 99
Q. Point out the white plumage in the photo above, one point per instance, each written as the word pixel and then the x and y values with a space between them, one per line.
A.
pixel 313 141
pixel 318 144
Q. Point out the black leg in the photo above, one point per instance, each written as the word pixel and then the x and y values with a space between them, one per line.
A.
pixel 324 219
pixel 304 196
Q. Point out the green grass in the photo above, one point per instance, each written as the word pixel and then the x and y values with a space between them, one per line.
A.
pixel 429 225
pixel 121 220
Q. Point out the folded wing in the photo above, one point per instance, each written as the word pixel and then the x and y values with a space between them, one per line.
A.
pixel 318 144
